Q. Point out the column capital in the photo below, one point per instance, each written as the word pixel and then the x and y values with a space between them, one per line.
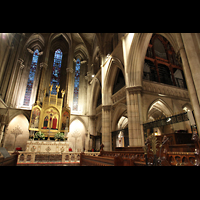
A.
pixel 43 65
pixel 69 69
pixel 106 107
pixel 20 60
pixel 134 89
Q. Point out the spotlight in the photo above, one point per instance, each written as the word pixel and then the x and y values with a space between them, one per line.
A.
pixel 169 119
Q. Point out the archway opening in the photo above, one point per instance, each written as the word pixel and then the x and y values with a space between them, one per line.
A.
pixel 17 133
pixel 158 110
pixel 119 82
pixel 76 136
pixel 161 63
pixel 120 137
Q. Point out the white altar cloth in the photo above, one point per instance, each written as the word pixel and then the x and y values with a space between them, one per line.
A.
pixel 47 146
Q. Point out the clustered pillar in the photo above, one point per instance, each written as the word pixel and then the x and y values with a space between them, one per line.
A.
pixel 133 109
pixel 106 127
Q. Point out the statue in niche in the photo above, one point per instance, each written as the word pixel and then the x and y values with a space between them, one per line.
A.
pixel 65 120
pixel 51 115
pixel 54 123
pixel 45 122
pixel 51 120
pixel 34 121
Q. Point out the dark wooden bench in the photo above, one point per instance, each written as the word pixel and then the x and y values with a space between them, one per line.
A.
pixel 86 160
pixel 134 157
pixel 9 161
pixel 175 154
pixel 166 155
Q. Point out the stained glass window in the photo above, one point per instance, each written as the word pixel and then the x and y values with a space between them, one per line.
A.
pixel 55 77
pixel 76 84
pixel 31 78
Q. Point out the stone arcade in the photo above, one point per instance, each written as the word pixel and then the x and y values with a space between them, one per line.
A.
pixel 114 84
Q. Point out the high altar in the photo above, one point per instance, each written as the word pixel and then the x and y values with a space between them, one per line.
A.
pixel 49 118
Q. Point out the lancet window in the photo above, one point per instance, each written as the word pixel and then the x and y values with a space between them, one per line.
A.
pixel 31 77
pixel 55 77
pixel 76 84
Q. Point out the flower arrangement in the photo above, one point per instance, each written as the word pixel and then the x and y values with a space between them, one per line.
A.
pixel 59 136
pixel 39 135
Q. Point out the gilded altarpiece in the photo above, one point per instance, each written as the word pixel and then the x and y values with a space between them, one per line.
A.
pixel 65 120
pixel 35 118
pixel 51 117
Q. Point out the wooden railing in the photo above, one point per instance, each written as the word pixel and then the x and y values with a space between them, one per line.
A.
pixel 181 158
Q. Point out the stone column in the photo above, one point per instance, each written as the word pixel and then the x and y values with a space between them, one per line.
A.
pixel 43 67
pixel 1 132
pixel 106 127
pixel 17 91
pixel 134 110
pixel 189 81
pixel 4 135
pixel 68 86
pixel 91 124
pixel 192 53
pixel 13 69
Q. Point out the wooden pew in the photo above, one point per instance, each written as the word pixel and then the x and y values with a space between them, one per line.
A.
pixel 129 148
pixel 86 160
pixel 10 161
pixel 109 161
pixel 115 158
pixel 166 155
pixel 175 155
pixel 185 158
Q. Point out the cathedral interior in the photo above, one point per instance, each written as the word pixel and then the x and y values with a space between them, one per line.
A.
pixel 114 84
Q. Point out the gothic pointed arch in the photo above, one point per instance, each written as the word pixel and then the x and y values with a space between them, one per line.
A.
pixel 113 69
pixel 36 40
pixel 95 92
pixel 120 110
pixel 161 63
pixel 137 53
pixel 80 120
pixel 158 108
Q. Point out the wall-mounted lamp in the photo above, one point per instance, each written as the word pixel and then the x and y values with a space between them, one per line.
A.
pixel 169 119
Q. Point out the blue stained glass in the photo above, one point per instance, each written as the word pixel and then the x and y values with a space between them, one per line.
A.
pixel 29 86
pixel 76 84
pixel 55 77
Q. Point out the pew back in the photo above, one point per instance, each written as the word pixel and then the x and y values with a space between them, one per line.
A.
pixel 10 161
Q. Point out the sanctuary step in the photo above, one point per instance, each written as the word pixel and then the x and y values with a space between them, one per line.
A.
pixel 48 164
